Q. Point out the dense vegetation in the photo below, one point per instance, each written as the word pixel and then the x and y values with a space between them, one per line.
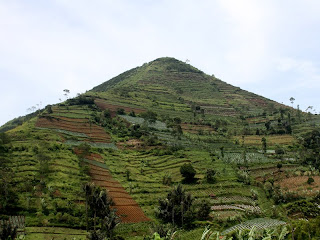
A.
pixel 163 151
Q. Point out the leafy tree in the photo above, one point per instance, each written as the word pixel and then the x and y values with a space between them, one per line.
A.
pixel 268 125
pixel 310 180
pixel 177 207
pixel 311 148
pixel 264 144
pixel 188 172
pixel 177 120
pixel 292 99
pixel 279 150
pixel 279 166
pixel 162 232
pixel 177 131
pixel 107 114
pixel 99 204
pixel 204 209
pixel 120 111
pixel 210 175
pixel 149 116
pixel 49 109
pixel 132 114
pixel 268 188
pixel 88 190
pixel 222 152
pixel 7 231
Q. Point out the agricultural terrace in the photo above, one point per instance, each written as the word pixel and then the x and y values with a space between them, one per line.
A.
pixel 299 185
pixel 272 140
pixel 48 176
pixel 142 173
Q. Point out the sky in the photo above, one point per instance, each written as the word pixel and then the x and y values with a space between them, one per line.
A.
pixel 268 47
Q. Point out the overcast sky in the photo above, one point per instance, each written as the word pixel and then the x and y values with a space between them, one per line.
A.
pixel 269 47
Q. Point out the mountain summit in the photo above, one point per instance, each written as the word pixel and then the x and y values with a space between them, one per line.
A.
pixel 166 81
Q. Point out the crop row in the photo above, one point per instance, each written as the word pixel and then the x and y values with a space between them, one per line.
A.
pixel 126 206
pixel 138 120
pixel 95 132
pixel 258 223
pixel 240 158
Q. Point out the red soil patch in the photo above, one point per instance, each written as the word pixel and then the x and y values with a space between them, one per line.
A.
pixel 127 208
pixel 299 184
pixel 91 156
pixel 94 132
pixel 77 120
pixel 102 104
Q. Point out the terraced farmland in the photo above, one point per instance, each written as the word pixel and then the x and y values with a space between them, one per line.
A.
pixel 258 223
pixel 104 104
pixel 127 208
pixel 76 127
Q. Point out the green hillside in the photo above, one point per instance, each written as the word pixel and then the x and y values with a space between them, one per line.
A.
pixel 252 158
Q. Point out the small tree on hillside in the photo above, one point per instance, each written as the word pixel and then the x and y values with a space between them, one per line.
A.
pixel 264 144
pixel 310 180
pixel 99 204
pixel 279 166
pixel 149 116
pixel 177 207
pixel 188 172
pixel 210 175
pixel 292 99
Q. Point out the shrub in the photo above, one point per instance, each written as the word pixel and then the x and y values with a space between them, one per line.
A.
pixel 204 210
pixel 120 111
pixel 268 188
pixel 310 180
pixel 167 179
pixel 188 172
pixel 132 114
pixel 210 175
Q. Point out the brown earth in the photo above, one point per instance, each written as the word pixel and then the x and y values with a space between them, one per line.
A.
pixel 127 208
pixel 299 184
pixel 94 132
pixel 103 104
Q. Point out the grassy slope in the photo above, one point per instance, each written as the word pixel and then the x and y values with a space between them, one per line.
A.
pixel 170 88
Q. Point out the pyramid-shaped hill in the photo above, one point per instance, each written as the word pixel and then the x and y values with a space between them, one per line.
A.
pixel 133 134
pixel 168 85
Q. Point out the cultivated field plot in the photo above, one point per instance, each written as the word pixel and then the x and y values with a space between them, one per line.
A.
pixel 191 128
pixel 258 223
pixel 271 140
pixel 300 186
pixel 127 208
pixel 148 171
pixel 103 105
pixel 138 120
pixel 268 169
pixel 92 132
pixel 250 157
